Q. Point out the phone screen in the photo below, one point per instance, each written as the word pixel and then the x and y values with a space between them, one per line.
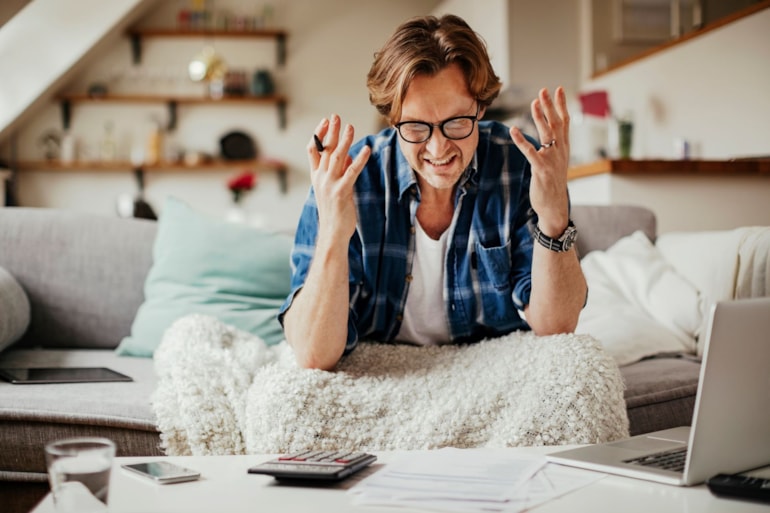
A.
pixel 62 375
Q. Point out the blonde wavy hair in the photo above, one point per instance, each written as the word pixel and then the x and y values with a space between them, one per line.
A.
pixel 425 46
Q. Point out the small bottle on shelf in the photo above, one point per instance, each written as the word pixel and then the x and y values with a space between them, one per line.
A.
pixel 109 147
pixel 68 153
pixel 154 145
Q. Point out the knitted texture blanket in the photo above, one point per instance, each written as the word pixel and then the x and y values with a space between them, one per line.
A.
pixel 223 391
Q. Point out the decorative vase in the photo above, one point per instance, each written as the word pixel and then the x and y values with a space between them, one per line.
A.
pixel 262 83
pixel 236 214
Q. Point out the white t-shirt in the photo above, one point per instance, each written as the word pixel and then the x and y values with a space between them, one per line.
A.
pixel 425 321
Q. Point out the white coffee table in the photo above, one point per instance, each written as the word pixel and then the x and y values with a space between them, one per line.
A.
pixel 225 485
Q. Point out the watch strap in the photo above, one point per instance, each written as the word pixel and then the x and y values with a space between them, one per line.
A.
pixel 561 244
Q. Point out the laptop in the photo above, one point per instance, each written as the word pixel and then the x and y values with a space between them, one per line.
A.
pixel 730 430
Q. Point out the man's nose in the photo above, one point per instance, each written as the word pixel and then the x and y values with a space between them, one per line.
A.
pixel 437 142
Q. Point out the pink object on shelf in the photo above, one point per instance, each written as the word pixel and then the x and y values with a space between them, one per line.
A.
pixel 595 103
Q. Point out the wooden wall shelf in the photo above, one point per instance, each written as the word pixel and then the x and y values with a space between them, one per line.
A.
pixel 278 35
pixel 748 166
pixel 259 165
pixel 153 98
pixel 172 102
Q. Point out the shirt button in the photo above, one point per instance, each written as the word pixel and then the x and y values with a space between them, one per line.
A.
pixel 453 307
pixel 408 278
pixel 399 318
pixel 411 229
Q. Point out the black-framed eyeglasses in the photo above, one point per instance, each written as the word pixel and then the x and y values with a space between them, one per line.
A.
pixel 457 128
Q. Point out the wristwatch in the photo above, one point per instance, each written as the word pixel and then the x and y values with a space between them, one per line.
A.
pixel 564 243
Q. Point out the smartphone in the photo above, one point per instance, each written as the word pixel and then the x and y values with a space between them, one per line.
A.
pixel 163 472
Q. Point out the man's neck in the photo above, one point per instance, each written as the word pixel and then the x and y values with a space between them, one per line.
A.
pixel 436 210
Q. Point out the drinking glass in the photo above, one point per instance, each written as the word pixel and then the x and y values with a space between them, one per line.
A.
pixel 79 473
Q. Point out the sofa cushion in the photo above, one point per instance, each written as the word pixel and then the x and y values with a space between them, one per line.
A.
pixel 83 273
pixel 660 392
pixel 233 272
pixel 638 305
pixel 14 310
pixel 601 226
pixel 32 415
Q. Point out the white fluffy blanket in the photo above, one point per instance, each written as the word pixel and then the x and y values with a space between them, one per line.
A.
pixel 223 391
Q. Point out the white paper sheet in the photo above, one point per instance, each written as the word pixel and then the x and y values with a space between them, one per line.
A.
pixel 469 480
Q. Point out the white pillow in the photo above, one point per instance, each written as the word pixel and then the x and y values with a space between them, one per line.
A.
pixel 14 310
pixel 638 305
pixel 722 264
pixel 707 259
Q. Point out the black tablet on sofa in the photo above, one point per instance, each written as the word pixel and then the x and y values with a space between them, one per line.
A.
pixel 41 375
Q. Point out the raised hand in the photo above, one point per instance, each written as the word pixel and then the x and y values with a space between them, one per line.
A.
pixel 549 163
pixel 333 174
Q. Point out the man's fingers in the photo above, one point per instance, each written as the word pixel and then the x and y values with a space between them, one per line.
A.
pixel 552 117
pixel 358 163
pixel 540 122
pixel 526 147
pixel 561 108
pixel 313 154
pixel 333 135
pixel 339 157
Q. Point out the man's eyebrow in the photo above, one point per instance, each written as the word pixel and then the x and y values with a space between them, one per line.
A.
pixel 406 119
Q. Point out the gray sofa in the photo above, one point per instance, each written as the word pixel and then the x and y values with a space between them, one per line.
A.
pixel 84 277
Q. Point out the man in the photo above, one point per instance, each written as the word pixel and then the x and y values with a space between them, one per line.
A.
pixel 424 232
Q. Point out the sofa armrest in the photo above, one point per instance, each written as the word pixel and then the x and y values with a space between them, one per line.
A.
pixel 600 226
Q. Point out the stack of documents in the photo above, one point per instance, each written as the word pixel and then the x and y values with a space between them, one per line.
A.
pixel 468 480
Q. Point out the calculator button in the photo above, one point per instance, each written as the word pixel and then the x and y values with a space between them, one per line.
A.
pixel 334 457
pixel 292 456
pixel 320 456
pixel 307 456
pixel 349 458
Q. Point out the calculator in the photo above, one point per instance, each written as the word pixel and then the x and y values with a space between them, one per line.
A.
pixel 315 465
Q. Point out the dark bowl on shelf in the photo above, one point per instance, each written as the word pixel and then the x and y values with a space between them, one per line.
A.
pixel 237 146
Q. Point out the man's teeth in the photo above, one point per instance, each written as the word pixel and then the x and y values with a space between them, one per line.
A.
pixel 440 162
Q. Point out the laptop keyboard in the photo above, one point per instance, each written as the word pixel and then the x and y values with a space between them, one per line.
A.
pixel 668 460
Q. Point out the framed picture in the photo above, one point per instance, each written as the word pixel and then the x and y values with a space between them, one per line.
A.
pixel 643 21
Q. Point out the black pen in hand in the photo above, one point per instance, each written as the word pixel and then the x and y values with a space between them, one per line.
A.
pixel 318 144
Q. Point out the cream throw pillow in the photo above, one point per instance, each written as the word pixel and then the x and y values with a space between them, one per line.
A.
pixel 638 305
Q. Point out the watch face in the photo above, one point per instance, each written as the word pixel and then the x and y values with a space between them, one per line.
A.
pixel 569 238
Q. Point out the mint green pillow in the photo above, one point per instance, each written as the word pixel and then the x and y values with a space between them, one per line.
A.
pixel 233 272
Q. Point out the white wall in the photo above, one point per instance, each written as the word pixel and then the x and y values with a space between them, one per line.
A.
pixel 683 202
pixel 490 20
pixel 711 90
pixel 330 50
pixel 47 61
pixel 545 45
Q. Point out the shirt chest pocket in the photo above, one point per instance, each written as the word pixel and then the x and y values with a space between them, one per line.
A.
pixel 494 266
pixel 494 275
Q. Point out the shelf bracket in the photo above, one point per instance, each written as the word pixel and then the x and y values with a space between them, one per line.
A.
pixel 172 115
pixel 136 47
pixel 281 49
pixel 66 113
pixel 282 114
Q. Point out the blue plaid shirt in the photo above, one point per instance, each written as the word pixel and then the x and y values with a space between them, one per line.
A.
pixel 489 255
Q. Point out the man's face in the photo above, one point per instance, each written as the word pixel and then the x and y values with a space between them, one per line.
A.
pixel 439 162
